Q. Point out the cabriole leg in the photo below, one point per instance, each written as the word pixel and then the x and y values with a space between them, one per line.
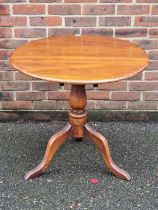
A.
pixel 101 142
pixel 55 141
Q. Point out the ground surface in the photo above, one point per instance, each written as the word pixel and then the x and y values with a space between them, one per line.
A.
pixel 66 184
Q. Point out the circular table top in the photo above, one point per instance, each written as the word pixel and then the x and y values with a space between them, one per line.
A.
pixel 80 59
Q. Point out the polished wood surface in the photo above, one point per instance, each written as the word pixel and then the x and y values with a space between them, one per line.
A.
pixel 77 128
pixel 80 59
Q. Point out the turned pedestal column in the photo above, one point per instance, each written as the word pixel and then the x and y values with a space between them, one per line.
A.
pixel 77 128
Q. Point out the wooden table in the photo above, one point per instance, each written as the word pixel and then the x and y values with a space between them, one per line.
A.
pixel 79 60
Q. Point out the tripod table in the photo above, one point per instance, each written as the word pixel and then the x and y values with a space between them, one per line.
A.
pixel 79 60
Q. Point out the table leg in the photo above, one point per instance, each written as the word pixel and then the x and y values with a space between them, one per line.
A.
pixel 102 144
pixel 55 141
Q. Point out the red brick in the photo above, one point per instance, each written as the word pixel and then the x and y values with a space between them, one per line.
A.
pixel 6 96
pixel 5 32
pixel 6 75
pixel 4 54
pixel 60 31
pixel 98 95
pixel 115 1
pixel 80 1
pixel 151 75
pixel 16 105
pixel 30 32
pixel 14 85
pixel 154 10
pixel 133 9
pixel 45 85
pixel 59 95
pixel 51 105
pixel 80 21
pixel 143 85
pixel 100 9
pixel 30 96
pixel 46 21
pixel 45 1
pixel 69 9
pixel 150 96
pixel 121 85
pixel 115 21
pixel 147 21
pixel 153 65
pixel 21 76
pixel 145 105
pixel 153 54
pixel 153 32
pixel 13 21
pixel 136 77
pixel 146 1
pixel 90 104
pixel 12 1
pixel 28 9
pixel 98 31
pixel 125 96
pixel 4 9
pixel 147 43
pixel 131 32
pixel 11 43
pixel 5 66
pixel 112 105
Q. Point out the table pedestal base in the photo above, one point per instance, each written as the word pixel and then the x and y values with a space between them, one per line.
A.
pixel 77 128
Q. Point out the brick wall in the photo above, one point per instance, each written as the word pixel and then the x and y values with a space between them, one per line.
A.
pixel 23 20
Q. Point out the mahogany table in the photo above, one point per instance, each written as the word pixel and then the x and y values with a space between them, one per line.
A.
pixel 79 60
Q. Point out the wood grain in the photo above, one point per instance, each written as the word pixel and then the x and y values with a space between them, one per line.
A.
pixel 80 59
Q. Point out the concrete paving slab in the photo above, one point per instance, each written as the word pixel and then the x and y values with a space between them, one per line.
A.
pixel 66 184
